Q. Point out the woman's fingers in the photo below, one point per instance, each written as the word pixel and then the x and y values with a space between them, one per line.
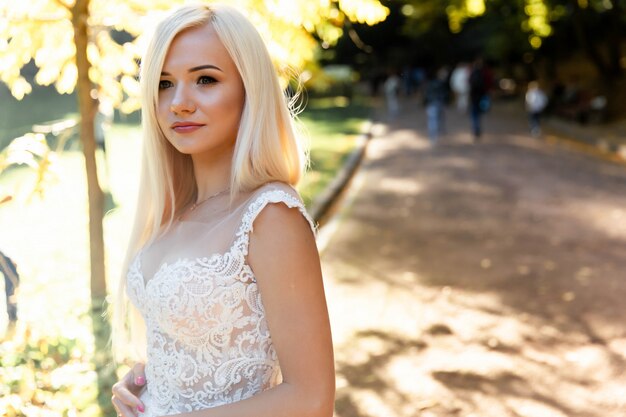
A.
pixel 123 394
pixel 126 392
pixel 139 375
pixel 123 410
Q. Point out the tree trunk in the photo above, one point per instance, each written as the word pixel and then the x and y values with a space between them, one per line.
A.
pixel 615 38
pixel 88 108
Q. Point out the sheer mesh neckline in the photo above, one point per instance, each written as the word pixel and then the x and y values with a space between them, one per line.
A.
pixel 203 210
pixel 207 240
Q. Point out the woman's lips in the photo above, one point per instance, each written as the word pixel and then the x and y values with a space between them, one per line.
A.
pixel 186 127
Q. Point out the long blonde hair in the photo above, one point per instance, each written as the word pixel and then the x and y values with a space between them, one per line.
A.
pixel 267 148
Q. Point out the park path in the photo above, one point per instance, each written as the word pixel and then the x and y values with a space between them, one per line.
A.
pixel 478 280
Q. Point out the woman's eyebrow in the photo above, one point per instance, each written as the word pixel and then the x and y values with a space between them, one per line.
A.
pixel 198 68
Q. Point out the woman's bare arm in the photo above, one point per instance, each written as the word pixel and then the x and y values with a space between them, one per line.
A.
pixel 286 264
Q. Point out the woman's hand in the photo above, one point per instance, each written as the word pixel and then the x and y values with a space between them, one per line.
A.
pixel 126 392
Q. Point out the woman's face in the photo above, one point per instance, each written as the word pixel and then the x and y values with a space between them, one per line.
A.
pixel 201 95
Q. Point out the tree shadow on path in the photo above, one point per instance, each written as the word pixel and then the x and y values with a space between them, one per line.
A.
pixel 519 248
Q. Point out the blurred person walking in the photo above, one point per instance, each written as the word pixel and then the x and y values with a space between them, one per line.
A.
pixel 435 98
pixel 536 102
pixel 459 83
pixel 391 88
pixel 480 102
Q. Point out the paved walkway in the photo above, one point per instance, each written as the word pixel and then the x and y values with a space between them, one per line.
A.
pixel 478 280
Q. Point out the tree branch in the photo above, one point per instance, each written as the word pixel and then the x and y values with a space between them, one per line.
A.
pixel 358 42
pixel 63 5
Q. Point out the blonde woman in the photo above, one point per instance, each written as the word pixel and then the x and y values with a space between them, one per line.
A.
pixel 227 306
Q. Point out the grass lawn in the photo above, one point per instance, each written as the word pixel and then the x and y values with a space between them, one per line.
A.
pixel 333 125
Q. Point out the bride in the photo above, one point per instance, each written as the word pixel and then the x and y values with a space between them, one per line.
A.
pixel 227 309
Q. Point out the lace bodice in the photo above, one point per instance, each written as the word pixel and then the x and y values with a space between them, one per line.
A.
pixel 208 342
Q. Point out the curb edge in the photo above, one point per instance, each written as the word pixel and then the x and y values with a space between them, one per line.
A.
pixel 322 203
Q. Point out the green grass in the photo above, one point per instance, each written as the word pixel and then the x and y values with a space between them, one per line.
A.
pixel 333 125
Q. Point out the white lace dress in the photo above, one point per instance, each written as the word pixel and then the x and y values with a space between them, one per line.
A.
pixel 208 341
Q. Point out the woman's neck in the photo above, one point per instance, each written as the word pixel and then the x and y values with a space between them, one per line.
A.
pixel 212 175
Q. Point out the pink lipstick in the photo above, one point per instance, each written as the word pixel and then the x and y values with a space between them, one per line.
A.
pixel 186 127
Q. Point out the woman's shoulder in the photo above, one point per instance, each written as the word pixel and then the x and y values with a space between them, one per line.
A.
pixel 276 187
pixel 274 192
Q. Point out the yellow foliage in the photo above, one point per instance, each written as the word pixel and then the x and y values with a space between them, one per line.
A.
pixel 535 41
pixel 131 85
pixel 538 22
pixel 475 7
pixel 39 378
pixel 364 11
pixel 457 15
pixel 23 151
pixel 20 87
pixel 41 30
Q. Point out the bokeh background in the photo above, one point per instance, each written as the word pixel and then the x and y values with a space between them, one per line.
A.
pixel 70 138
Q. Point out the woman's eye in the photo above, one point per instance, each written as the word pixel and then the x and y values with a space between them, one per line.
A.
pixel 205 79
pixel 164 84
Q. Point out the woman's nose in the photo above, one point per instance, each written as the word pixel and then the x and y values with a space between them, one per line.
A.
pixel 182 103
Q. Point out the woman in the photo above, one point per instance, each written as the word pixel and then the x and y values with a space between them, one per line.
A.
pixel 223 268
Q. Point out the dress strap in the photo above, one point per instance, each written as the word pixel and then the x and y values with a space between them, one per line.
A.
pixel 267 197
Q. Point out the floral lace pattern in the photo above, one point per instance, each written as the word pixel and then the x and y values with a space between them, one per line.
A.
pixel 208 342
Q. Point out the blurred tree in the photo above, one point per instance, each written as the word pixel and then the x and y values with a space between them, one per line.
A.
pixel 515 34
pixel 598 25
pixel 601 30
pixel 467 28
